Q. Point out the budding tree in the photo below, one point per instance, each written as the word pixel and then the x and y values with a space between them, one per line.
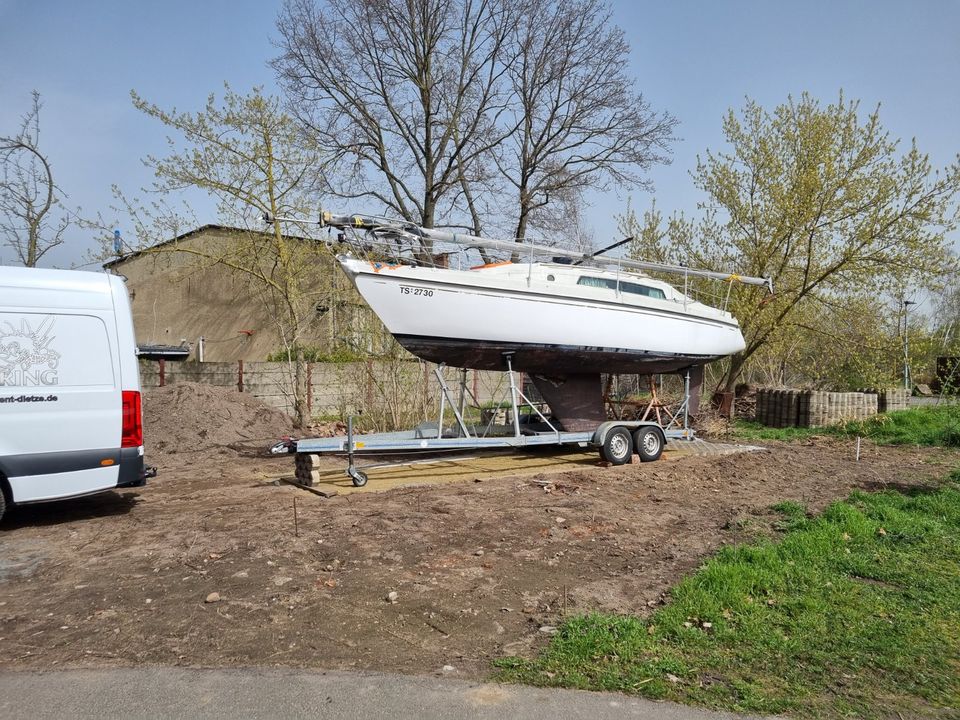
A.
pixel 821 200
pixel 250 156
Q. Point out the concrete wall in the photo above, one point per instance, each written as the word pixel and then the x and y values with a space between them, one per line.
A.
pixel 389 395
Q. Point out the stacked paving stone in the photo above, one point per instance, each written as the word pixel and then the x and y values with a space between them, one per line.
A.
pixel 891 399
pixel 814 408
pixel 307 472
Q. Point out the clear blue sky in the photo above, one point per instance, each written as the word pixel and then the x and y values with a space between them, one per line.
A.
pixel 695 59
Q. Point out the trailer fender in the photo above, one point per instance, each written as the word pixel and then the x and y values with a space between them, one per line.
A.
pixel 604 429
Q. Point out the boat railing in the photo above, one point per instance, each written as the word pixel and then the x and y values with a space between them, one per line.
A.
pixel 397 242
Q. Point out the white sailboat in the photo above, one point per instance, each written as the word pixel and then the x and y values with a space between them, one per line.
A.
pixel 552 313
pixel 553 318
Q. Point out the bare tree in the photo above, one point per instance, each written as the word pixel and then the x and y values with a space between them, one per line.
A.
pixel 481 111
pixel 580 122
pixel 29 198
pixel 406 94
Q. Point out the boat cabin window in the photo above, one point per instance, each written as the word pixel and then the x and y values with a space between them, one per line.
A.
pixel 627 287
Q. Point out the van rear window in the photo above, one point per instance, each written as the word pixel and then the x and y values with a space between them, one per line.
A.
pixel 50 350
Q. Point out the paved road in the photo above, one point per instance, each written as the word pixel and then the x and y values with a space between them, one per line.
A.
pixel 273 693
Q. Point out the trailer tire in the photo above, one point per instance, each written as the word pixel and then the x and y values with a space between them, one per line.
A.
pixel 617 446
pixel 648 442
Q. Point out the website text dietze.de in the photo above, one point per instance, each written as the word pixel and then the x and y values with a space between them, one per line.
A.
pixel 28 398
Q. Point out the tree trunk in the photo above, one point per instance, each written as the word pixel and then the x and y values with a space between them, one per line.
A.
pixel 522 220
pixel 733 372
pixel 427 220
pixel 301 417
pixel 33 241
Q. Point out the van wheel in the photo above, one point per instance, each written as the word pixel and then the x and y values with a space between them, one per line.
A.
pixel 649 443
pixel 3 497
pixel 617 447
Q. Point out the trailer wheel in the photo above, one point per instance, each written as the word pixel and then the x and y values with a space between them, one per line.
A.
pixel 617 446
pixel 649 443
pixel 358 476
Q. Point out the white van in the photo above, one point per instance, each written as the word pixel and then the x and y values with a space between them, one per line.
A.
pixel 70 418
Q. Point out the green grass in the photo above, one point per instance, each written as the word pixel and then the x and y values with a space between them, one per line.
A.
pixel 936 425
pixel 853 613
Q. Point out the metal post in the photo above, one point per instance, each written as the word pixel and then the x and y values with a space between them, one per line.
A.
pixel 240 375
pixel 163 371
pixel 200 349
pixel 513 395
pixel 445 394
pixel 443 401
pixel 686 400
pixel 463 391
pixel 350 466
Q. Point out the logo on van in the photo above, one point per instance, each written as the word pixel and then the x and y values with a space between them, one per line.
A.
pixel 26 358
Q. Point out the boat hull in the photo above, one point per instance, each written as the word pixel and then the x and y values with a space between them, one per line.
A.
pixel 464 319
pixel 545 359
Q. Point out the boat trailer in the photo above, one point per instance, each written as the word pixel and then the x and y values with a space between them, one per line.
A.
pixel 616 440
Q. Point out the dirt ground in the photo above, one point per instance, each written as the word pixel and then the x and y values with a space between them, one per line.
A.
pixel 478 568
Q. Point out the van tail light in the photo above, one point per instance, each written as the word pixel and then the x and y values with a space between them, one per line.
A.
pixel 132 433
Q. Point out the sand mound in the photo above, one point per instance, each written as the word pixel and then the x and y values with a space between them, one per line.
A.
pixel 193 416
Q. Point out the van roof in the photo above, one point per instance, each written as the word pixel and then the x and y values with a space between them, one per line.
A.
pixel 41 288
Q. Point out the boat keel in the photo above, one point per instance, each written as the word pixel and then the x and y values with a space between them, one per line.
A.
pixel 575 400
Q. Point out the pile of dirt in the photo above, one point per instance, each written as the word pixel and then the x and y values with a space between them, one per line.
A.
pixel 190 416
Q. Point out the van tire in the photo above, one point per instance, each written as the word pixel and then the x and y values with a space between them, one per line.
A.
pixel 3 496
